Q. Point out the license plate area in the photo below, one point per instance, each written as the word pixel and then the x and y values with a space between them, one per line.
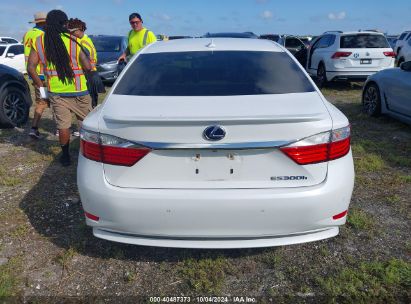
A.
pixel 216 165
pixel 366 61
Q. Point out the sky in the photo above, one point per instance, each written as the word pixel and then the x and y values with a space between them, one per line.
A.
pixel 196 17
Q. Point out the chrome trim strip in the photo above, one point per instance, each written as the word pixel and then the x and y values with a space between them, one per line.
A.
pixel 213 238
pixel 222 120
pixel 212 146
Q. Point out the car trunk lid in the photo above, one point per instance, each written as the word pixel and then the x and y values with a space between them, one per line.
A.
pixel 247 157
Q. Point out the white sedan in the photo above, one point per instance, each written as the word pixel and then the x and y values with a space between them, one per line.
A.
pixel 215 143
pixel 389 92
pixel 12 55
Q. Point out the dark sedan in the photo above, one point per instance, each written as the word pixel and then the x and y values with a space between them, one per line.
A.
pixel 15 99
pixel 109 49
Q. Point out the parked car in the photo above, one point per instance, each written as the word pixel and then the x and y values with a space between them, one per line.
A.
pixel 405 53
pixel 12 55
pixel 226 144
pixel 272 37
pixel 15 99
pixel 292 44
pixel 8 40
pixel 178 37
pixel 306 40
pixel 402 39
pixel 392 40
pixel 348 56
pixel 231 35
pixel 109 49
pixel 388 92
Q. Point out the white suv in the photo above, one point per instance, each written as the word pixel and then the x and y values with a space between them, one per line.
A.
pixel 405 53
pixel 12 55
pixel 349 55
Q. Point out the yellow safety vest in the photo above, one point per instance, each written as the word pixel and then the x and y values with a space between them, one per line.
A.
pixel 88 44
pixel 138 40
pixel 54 84
pixel 28 41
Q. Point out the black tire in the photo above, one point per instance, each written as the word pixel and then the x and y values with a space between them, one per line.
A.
pixel 371 100
pixel 14 107
pixel 400 61
pixel 321 76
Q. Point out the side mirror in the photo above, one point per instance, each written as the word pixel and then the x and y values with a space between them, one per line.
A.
pixel 406 66
pixel 10 55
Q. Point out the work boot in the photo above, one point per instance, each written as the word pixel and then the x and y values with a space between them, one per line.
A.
pixel 65 156
pixel 65 160
pixel 34 133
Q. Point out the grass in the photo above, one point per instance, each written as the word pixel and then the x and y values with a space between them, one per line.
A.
pixel 8 278
pixel 273 258
pixel 367 162
pixel 20 231
pixel 65 257
pixel 129 276
pixel 6 178
pixel 205 275
pixel 359 219
pixel 370 282
pixel 393 199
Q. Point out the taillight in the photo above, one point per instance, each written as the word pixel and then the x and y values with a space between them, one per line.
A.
pixel 320 148
pixel 92 216
pixel 390 54
pixel 109 149
pixel 338 55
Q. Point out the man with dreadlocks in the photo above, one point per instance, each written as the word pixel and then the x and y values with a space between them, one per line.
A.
pixel 64 64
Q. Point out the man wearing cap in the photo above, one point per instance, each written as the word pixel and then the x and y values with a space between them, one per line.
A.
pixel 28 40
pixel 138 37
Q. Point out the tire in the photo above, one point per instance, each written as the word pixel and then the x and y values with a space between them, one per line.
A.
pixel 400 61
pixel 371 100
pixel 14 108
pixel 321 76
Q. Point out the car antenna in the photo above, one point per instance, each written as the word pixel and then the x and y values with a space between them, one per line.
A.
pixel 211 44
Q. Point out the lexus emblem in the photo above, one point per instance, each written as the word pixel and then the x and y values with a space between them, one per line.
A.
pixel 214 133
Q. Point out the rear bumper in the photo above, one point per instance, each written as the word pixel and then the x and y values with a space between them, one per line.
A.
pixel 345 74
pixel 217 243
pixel 216 218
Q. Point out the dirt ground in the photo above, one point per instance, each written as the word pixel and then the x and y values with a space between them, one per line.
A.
pixel 48 254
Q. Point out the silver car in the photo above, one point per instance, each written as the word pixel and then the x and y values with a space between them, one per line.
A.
pixel 389 92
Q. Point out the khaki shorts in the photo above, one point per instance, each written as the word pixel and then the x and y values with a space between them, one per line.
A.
pixel 40 102
pixel 63 107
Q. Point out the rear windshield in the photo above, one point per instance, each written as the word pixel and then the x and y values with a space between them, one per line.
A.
pixel 2 49
pixel 363 41
pixel 219 73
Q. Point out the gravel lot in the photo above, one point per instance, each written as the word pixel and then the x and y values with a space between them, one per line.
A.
pixel 48 254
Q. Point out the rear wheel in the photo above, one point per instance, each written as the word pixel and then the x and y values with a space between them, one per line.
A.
pixel 14 108
pixel 371 100
pixel 400 61
pixel 321 76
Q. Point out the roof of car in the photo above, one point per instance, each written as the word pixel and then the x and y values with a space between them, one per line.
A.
pixel 213 44
pixel 361 32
